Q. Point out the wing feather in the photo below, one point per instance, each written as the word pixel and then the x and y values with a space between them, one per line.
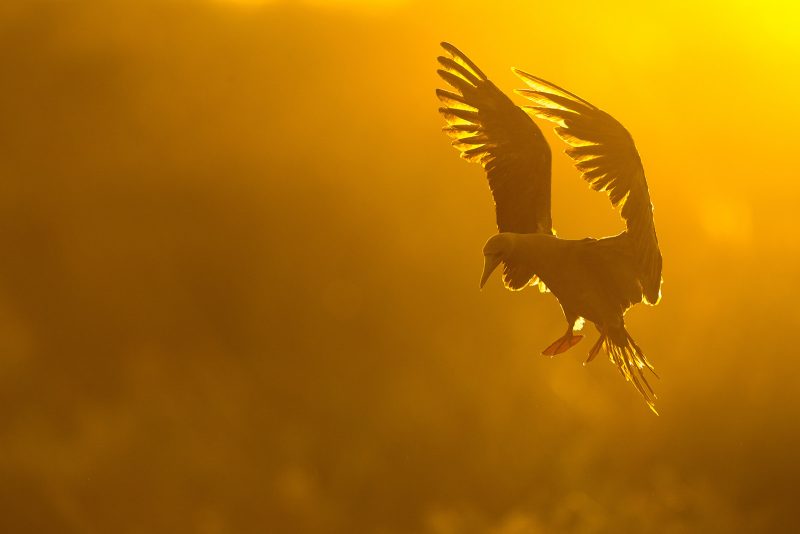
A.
pixel 488 128
pixel 605 154
pixel 452 99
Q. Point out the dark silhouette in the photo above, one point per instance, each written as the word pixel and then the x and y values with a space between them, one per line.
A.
pixel 595 279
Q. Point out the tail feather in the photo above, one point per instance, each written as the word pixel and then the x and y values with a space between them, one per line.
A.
pixel 623 351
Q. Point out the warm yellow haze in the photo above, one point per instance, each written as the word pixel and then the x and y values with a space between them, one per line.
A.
pixel 238 291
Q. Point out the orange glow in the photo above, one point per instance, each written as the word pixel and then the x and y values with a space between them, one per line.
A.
pixel 238 290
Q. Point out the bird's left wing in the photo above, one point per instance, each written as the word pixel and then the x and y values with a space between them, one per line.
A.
pixel 488 128
pixel 604 152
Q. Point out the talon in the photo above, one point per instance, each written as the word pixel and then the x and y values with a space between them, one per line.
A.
pixel 562 344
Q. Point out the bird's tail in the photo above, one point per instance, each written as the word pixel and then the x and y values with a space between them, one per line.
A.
pixel 623 352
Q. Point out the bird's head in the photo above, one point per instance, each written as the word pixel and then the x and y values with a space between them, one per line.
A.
pixel 497 249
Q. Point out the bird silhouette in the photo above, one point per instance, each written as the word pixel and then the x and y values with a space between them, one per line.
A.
pixel 593 279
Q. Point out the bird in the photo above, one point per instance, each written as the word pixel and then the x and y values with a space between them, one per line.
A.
pixel 596 280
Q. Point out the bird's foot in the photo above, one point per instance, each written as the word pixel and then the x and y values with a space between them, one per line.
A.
pixel 562 344
pixel 595 348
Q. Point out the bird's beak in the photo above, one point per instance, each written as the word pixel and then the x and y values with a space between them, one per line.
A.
pixel 490 263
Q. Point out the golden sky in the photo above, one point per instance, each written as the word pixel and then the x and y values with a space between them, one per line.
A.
pixel 239 290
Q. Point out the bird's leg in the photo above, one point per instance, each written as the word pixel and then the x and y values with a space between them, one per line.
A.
pixel 596 347
pixel 564 343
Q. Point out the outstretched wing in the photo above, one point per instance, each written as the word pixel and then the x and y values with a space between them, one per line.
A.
pixel 487 127
pixel 605 154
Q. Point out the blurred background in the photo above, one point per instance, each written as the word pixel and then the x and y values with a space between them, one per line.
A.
pixel 239 284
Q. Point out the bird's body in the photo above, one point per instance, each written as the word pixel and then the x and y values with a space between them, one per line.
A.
pixel 580 275
pixel 593 279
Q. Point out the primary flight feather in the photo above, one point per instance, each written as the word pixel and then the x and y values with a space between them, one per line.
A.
pixel 593 279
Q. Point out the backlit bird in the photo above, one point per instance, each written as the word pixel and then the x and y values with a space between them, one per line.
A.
pixel 593 279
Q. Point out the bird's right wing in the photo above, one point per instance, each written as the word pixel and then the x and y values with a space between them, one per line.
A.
pixel 487 127
pixel 604 152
